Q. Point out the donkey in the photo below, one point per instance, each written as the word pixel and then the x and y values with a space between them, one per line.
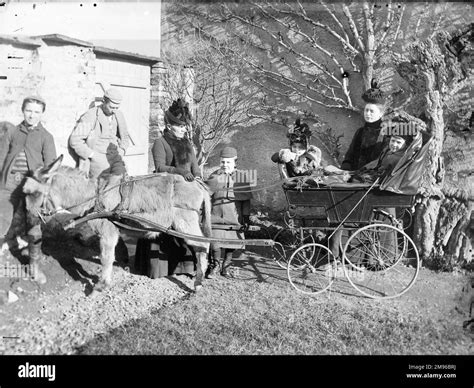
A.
pixel 165 199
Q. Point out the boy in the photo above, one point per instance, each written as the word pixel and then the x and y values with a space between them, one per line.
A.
pixel 229 208
pixel 25 148
pixel 386 162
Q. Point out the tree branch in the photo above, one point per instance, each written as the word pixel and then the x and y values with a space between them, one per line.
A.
pixel 353 27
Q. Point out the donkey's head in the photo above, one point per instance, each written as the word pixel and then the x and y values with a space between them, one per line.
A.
pixel 37 188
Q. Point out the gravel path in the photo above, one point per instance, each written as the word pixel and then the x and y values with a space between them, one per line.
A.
pixel 59 317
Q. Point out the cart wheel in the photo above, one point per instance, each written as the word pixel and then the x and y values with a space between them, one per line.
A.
pixel 400 222
pixel 289 240
pixel 288 220
pixel 311 274
pixel 377 264
pixel 403 220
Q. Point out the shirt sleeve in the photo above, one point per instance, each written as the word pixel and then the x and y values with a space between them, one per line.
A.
pixel 159 157
pixel 49 150
pixel 276 157
pixel 78 137
pixel 195 170
pixel 4 148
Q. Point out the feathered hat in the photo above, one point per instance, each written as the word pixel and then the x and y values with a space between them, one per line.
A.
pixel 300 133
pixel 178 113
pixel 374 95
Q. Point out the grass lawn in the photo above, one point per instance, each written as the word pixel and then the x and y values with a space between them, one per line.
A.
pixel 259 313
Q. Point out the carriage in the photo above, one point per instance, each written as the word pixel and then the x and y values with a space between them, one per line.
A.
pixel 365 222
pixel 373 244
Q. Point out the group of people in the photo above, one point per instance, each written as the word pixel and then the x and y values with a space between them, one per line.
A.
pixel 372 152
pixel 98 143
pixel 173 153
pixel 100 139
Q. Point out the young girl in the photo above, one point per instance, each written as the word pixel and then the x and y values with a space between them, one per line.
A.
pixel 301 158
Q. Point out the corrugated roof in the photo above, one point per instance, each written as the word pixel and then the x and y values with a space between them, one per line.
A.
pixel 98 49
pixel 20 40
pixel 125 54
pixel 36 41
pixel 64 39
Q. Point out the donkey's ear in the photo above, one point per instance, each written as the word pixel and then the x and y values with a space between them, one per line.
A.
pixel 52 168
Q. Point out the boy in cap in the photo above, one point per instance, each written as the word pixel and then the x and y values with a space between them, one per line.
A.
pixel 100 135
pixel 25 147
pixel 230 209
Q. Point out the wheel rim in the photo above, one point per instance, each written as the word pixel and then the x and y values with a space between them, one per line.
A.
pixel 311 275
pixel 289 240
pixel 377 264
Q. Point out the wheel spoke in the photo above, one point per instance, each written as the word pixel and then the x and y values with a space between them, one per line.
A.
pixel 382 248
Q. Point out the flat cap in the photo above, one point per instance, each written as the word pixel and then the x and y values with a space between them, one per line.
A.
pixel 228 152
pixel 35 98
pixel 113 95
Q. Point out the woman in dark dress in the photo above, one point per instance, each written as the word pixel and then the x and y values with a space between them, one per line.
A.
pixel 172 153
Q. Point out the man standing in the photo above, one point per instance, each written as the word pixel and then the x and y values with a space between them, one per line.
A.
pixel 98 131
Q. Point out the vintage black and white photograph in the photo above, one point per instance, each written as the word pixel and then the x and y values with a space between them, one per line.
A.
pixel 237 178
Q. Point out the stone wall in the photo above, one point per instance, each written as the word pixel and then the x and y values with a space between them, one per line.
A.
pixel 68 88
pixel 62 74
pixel 20 76
pixel 161 96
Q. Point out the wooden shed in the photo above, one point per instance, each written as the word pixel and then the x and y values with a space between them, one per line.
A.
pixel 71 75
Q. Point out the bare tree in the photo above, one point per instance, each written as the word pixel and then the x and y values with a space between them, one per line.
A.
pixel 208 78
pixel 314 51
pixel 443 214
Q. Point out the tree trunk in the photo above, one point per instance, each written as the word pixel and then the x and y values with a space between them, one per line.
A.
pixel 441 219
pixel 428 209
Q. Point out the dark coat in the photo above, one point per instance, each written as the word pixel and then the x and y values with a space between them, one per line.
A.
pixel 37 143
pixel 228 207
pixel 171 154
pixel 366 146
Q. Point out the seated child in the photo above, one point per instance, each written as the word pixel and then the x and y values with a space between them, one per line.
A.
pixel 299 161
pixel 386 162
pixel 301 158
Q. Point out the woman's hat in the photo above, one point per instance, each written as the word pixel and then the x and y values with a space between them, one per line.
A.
pixel 178 113
pixel 374 95
pixel 228 152
pixel 300 133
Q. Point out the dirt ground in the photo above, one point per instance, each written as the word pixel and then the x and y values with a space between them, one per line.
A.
pixel 60 316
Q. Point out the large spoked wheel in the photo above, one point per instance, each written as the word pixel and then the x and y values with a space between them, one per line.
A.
pixel 289 240
pixel 376 261
pixel 311 274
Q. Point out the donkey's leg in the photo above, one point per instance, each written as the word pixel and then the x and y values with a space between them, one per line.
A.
pixel 201 256
pixel 109 236
pixel 34 247
pixel 187 221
